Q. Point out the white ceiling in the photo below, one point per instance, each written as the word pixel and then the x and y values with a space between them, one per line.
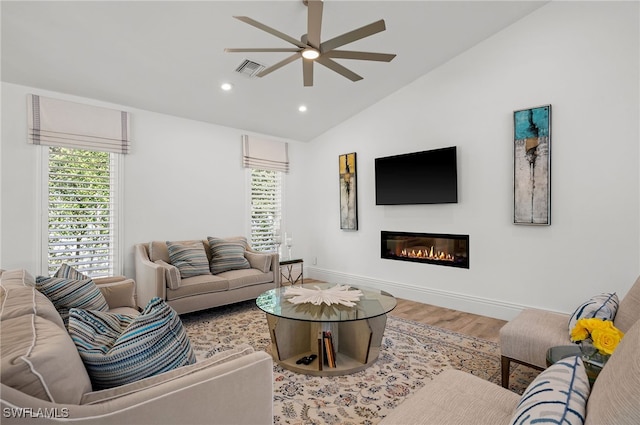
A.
pixel 168 56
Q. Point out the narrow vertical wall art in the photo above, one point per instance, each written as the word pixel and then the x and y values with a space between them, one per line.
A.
pixel 532 166
pixel 348 195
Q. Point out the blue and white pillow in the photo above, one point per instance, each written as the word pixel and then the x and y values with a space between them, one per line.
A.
pixel 557 396
pixel 189 257
pixel 67 293
pixel 603 306
pixel 118 349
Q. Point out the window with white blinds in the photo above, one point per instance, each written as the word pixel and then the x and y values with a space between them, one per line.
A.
pixel 82 221
pixel 266 208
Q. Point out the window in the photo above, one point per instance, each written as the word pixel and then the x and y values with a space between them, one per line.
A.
pixel 82 221
pixel 266 208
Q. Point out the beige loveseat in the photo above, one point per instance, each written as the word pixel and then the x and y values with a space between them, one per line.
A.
pixel 154 273
pixel 44 380
pixel 459 398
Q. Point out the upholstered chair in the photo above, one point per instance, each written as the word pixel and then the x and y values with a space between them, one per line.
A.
pixel 527 337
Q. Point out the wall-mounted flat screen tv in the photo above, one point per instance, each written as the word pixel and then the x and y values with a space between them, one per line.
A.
pixel 428 177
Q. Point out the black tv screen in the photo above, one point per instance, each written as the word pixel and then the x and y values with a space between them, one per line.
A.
pixel 428 177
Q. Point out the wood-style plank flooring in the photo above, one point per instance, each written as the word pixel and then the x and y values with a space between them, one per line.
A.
pixel 458 321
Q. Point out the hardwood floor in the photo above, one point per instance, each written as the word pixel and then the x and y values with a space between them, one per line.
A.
pixel 458 321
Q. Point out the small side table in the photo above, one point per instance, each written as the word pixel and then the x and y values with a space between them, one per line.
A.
pixel 555 354
pixel 287 273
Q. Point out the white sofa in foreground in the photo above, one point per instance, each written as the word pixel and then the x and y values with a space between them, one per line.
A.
pixel 44 380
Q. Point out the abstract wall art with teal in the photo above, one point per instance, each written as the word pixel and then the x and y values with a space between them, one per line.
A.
pixel 532 165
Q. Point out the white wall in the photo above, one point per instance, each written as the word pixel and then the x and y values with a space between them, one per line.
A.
pixel 184 180
pixel 580 57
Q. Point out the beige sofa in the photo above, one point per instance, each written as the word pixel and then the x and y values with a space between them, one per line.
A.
pixel 458 398
pixel 44 380
pixel 153 267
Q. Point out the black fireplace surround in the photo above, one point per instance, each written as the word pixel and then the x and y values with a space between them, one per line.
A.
pixel 431 248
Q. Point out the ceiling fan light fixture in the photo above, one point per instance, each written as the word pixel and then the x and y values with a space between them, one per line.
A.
pixel 313 50
pixel 310 53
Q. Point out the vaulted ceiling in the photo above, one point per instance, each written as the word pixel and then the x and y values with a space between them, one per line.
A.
pixel 168 56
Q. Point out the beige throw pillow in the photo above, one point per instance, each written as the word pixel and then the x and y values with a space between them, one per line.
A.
pixel 40 359
pixel 171 274
pixel 261 262
pixel 119 294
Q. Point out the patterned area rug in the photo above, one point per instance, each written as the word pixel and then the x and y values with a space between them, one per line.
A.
pixel 412 354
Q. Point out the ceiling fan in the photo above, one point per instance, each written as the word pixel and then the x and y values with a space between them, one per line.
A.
pixel 311 49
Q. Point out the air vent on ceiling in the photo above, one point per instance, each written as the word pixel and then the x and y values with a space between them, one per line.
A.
pixel 249 68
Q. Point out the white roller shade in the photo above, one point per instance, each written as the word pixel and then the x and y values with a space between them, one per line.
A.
pixel 55 122
pixel 264 154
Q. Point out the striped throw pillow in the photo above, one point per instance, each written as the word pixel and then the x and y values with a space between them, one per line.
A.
pixel 226 255
pixel 189 257
pixel 557 396
pixel 69 272
pixel 118 349
pixel 603 306
pixel 67 293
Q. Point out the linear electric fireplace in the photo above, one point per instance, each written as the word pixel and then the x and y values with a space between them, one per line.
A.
pixel 431 248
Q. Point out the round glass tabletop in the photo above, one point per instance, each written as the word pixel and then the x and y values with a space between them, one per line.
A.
pixel 372 303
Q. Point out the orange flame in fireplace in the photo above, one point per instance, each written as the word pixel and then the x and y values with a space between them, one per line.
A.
pixel 430 254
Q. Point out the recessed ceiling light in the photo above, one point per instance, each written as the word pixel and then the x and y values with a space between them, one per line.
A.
pixel 226 86
pixel 302 108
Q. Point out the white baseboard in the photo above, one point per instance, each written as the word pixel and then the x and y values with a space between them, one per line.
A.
pixel 471 304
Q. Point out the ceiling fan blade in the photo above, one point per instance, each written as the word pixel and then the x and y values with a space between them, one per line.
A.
pixel 314 22
pixel 279 65
pixel 259 50
pixel 307 72
pixel 270 30
pixel 366 56
pixel 335 66
pixel 352 36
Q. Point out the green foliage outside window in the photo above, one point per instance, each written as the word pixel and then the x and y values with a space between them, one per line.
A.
pixel 80 210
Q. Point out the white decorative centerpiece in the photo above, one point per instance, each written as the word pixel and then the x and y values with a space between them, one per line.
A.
pixel 339 294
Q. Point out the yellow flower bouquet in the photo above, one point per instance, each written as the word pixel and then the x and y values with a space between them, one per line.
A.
pixel 604 336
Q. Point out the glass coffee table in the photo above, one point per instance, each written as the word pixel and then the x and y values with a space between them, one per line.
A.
pixel 326 340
